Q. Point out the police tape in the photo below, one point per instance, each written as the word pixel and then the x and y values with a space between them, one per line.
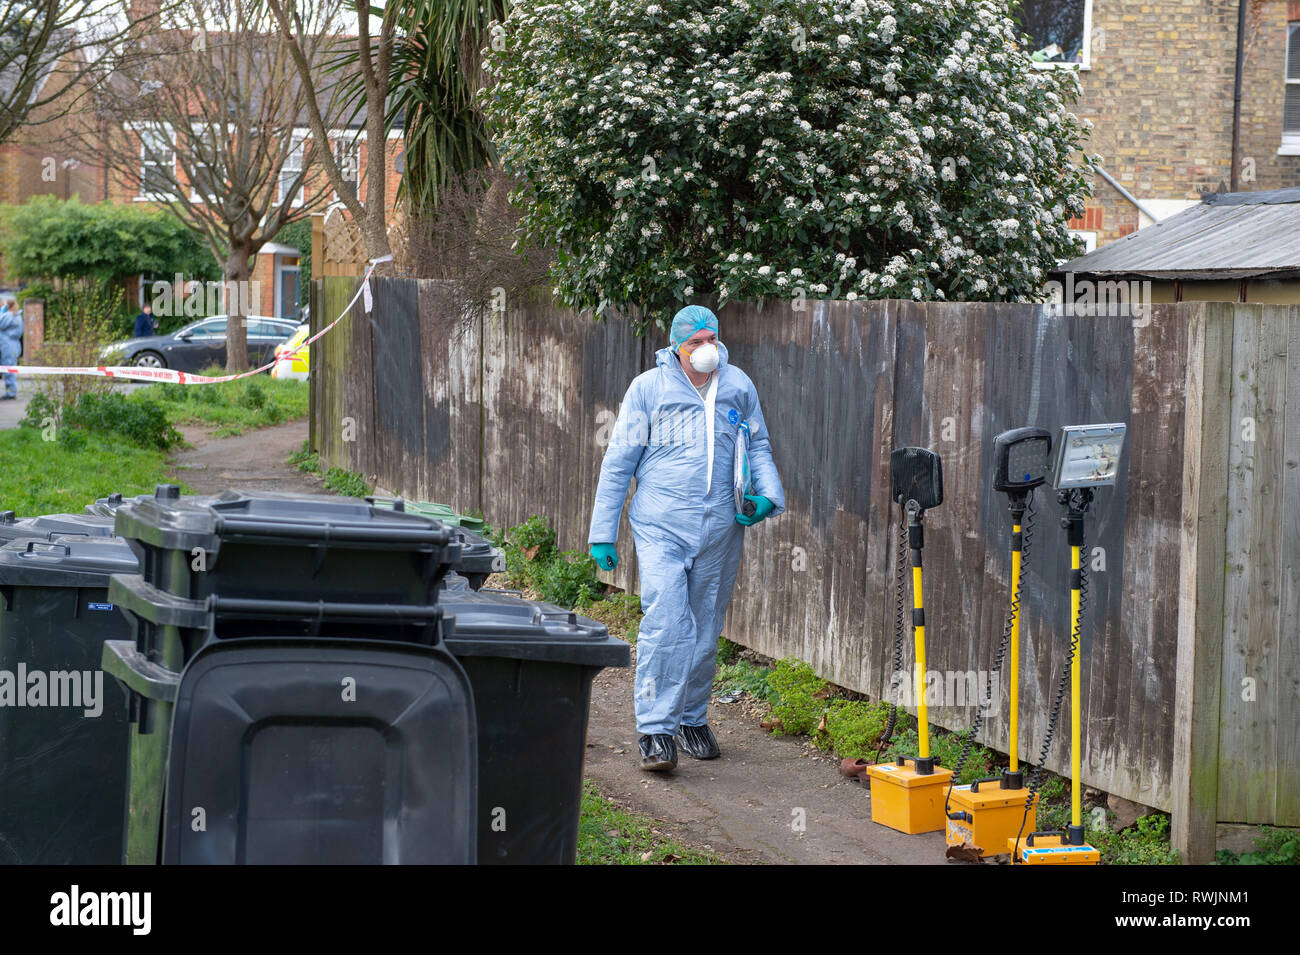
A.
pixel 134 373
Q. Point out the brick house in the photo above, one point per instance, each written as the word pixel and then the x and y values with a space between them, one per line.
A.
pixel 275 268
pixel 1159 82
pixel 40 158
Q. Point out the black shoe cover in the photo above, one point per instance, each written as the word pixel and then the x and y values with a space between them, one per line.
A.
pixel 698 742
pixel 658 753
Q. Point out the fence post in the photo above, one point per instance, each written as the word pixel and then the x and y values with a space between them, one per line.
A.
pixel 33 325
pixel 1199 665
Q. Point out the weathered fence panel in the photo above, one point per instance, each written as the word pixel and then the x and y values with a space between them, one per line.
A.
pixel 1194 583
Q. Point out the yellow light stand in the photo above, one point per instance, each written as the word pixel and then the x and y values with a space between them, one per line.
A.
pixel 907 800
pixel 905 797
pixel 1051 849
pixel 1067 848
pixel 989 812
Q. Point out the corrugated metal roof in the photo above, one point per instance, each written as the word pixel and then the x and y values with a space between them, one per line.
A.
pixel 1229 236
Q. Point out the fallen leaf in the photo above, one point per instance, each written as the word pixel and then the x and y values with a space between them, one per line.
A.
pixel 966 852
pixel 821 726
pixel 647 856
pixel 824 693
pixel 531 552
pixel 772 724
pixel 669 858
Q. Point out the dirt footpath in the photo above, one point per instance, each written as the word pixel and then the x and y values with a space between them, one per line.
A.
pixel 254 461
pixel 748 804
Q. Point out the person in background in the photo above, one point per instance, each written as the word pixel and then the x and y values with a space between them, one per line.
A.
pixel 676 434
pixel 11 341
pixel 145 323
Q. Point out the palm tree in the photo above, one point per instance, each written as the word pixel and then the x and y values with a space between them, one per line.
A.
pixel 436 75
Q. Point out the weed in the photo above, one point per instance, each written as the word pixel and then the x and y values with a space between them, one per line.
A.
pixel 570 580
pixel 1147 843
pixel 797 705
pixel 728 652
pixel 621 613
pixel 1273 846
pixel 535 537
pixel 1053 807
pixel 348 483
pixel 854 727
pixel 138 419
pixel 744 676
pixel 71 439
pixel 305 460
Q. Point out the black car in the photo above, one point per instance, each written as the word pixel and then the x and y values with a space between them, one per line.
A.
pixel 200 344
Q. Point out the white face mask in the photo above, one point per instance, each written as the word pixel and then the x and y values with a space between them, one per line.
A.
pixel 705 358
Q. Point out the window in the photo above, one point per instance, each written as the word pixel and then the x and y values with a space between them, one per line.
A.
pixel 213 326
pixel 157 162
pixel 1058 31
pixel 347 153
pixel 1291 101
pixel 291 170
pixel 1089 240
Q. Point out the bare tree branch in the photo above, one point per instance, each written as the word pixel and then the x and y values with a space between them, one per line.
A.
pixel 208 123
pixel 374 62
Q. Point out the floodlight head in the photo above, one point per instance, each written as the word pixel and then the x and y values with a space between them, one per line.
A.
pixel 1020 459
pixel 918 476
pixel 1087 455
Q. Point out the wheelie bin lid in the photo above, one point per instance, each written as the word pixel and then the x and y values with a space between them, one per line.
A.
pixel 107 506
pixel 48 526
pixel 68 561
pixel 477 555
pixel 502 625
pixel 441 512
pixel 169 521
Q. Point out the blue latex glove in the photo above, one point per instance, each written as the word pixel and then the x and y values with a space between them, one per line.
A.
pixel 763 507
pixel 607 557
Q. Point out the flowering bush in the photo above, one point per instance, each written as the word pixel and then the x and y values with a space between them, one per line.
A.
pixel 816 148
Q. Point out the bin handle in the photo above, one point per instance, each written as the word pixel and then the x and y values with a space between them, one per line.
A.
pixel 327 533
pixel 397 502
pixel 124 661
pixel 32 546
pixel 320 608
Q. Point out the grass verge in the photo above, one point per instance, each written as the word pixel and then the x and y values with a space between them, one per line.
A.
pixel 233 407
pixel 48 477
pixel 608 834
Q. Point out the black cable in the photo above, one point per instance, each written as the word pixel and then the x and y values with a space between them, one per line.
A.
pixel 1012 612
pixel 900 560
pixel 1036 776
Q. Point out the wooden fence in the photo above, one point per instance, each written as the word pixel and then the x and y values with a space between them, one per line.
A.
pixel 1191 646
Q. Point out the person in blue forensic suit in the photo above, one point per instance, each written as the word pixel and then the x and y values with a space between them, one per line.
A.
pixel 11 340
pixel 676 433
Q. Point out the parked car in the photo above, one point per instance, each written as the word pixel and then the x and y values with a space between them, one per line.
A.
pixel 291 358
pixel 200 344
